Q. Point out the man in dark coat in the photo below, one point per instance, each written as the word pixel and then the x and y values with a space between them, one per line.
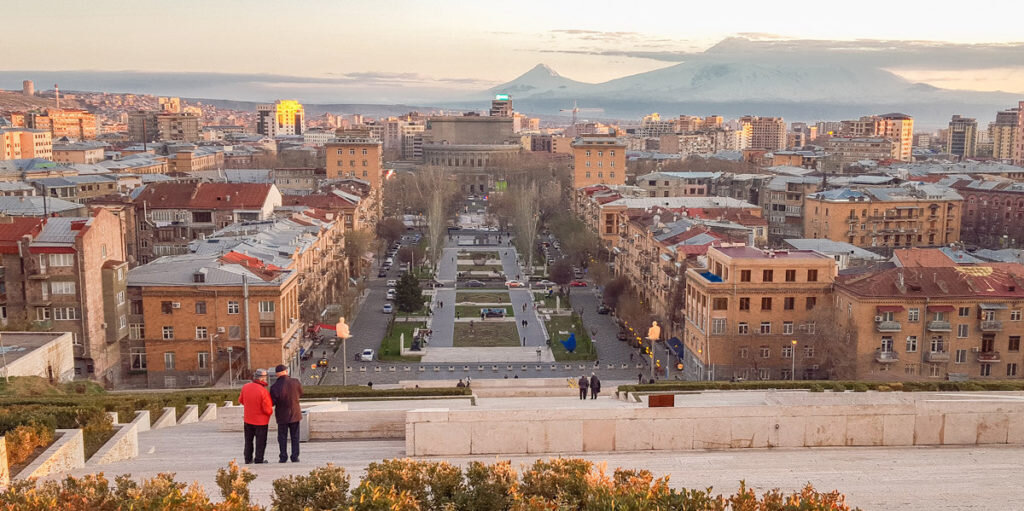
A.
pixel 286 393
pixel 583 383
pixel 595 385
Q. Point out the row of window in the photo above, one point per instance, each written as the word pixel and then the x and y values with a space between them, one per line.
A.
pixel 601 153
pixel 936 370
pixel 233 307
pixel 202 332
pixel 769 275
pixel 611 175
pixel 914 315
pixel 766 352
pixel 170 360
pixel 788 303
pixel 64 314
pixel 601 164
pixel 720 325
pixel 938 344
pixel 350 151
pixel 352 163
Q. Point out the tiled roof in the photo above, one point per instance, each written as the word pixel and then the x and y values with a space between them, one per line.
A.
pixel 1002 281
pixel 230 196
pixel 13 228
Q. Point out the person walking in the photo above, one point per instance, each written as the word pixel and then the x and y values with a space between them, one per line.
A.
pixel 524 306
pixel 255 398
pixel 584 383
pixel 285 393
pixel 640 379
pixel 595 385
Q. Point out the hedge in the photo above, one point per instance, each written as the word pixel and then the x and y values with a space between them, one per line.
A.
pixel 96 426
pixel 407 485
pixel 906 386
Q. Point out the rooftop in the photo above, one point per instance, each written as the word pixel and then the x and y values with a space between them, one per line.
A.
pixel 19 344
pixel 940 283
pixel 229 196
pixel 746 252
pixel 227 270
pixel 34 205
pixel 831 247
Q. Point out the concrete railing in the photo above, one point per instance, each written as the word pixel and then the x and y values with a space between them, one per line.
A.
pixel 167 419
pixel 827 422
pixel 124 445
pixel 66 453
pixel 190 415
pixel 5 471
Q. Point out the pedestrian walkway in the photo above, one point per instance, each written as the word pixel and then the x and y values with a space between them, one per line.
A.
pixel 528 354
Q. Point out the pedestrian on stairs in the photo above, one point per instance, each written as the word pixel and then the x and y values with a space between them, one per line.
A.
pixel 584 384
pixel 286 393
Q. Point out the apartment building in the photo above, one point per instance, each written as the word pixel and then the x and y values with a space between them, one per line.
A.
pixel 178 127
pixel 192 158
pixel 195 316
pixel 172 214
pixel 910 216
pixel 767 133
pixel 1018 142
pixel 953 322
pixel 598 160
pixel 142 126
pixel 678 184
pixel 25 143
pixel 356 158
pixel 1004 134
pixel 67 274
pixel 893 126
pixel 754 314
pixel 783 202
pixel 993 213
pixel 843 151
pixel 78 152
pixel 71 123
pixel 285 117
pixel 962 137
pixel 353 202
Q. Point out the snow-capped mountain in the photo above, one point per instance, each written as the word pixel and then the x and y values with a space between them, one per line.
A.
pixel 539 80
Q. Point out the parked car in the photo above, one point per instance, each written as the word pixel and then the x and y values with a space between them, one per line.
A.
pixel 382 273
pixel 622 336
pixel 578 283
pixel 514 283
pixel 389 261
pixel 493 312
pixel 392 282
pixel 391 294
pixel 388 309
pixel 603 309
pixel 473 283
pixel 544 284
pixel 366 355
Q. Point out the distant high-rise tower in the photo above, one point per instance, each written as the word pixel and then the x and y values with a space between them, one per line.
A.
pixel 170 105
pixel 28 88
pixel 1018 141
pixel 962 137
pixel 1004 134
pixel 501 106
pixel 286 117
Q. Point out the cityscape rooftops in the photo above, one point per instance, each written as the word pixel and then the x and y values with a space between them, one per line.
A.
pixel 217 270
pixel 1000 280
pixel 830 247
pixel 34 205
pixel 680 202
pixel 748 252
pixel 907 192
pixel 227 196
pixel 679 175
pixel 78 146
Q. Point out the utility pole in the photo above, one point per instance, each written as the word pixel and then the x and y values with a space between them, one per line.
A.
pixel 792 371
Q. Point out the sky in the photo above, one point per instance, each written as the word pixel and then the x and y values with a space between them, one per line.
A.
pixel 473 44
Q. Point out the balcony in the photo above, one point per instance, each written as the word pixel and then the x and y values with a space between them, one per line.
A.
pixel 940 326
pixel 886 357
pixel 266 316
pixel 852 220
pixel 988 356
pixel 936 356
pixel 991 326
pixel 888 326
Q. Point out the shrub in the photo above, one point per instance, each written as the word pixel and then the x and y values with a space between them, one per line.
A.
pixel 860 387
pixel 838 387
pixel 489 486
pixel 234 484
pixel 433 485
pixel 884 388
pixel 559 480
pixel 817 388
pixel 325 488
pixel 898 387
pixel 23 440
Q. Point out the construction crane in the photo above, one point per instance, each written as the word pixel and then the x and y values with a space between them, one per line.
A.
pixel 576 109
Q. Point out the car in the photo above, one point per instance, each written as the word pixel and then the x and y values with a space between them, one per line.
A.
pixel 622 336
pixel 473 283
pixel 551 260
pixel 544 284
pixel 603 309
pixel 366 355
pixel 387 309
pixel 392 283
pixel 391 294
pixel 514 283
pixel 578 283
pixel 389 261
pixel 382 273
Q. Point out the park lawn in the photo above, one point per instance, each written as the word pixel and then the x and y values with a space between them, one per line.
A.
pixel 465 254
pixel 584 346
pixel 485 334
pixel 469 311
pixel 482 297
pixel 421 312
pixel 481 267
pixel 389 351
pixel 548 302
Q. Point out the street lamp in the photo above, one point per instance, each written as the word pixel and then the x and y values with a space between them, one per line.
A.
pixel 342 331
pixel 792 371
pixel 231 375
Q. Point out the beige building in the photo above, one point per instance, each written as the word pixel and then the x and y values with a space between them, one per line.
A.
pixel 598 160
pixel 78 152
pixel 843 151
pixel 24 143
pixel 768 133
pixel 356 157
pixel 143 127
pixel 178 127
pixel 752 314
pixel 894 126
pixel 962 137
pixel 909 216
pixel 1004 134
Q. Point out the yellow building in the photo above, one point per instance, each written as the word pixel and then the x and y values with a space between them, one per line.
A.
pixel 24 143
pixel 909 216
pixel 750 312
pixel 286 117
pixel 598 160
pixel 356 157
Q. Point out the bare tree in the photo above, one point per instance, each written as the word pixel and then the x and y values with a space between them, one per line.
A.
pixel 357 244
pixel 436 190
pixel 527 217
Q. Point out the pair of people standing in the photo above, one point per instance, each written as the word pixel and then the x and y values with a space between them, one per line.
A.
pixel 281 400
pixel 593 384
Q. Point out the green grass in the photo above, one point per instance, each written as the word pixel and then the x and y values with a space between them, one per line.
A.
pixel 421 312
pixel 469 311
pixel 389 351
pixel 584 346
pixel 486 335
pixel 36 386
pixel 482 297
pixel 549 302
pixel 481 267
pixel 488 254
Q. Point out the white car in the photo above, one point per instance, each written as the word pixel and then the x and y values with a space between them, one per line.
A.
pixel 387 309
pixel 366 355
pixel 389 261
pixel 391 294
pixel 392 283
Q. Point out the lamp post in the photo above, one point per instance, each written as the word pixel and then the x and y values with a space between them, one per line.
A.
pixel 231 374
pixel 342 331
pixel 792 371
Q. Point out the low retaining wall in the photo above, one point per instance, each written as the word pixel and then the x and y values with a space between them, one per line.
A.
pixel 66 453
pixel 142 424
pixel 210 414
pixel 513 387
pixel 191 415
pixel 167 419
pixel 5 471
pixel 124 445
pixel 443 432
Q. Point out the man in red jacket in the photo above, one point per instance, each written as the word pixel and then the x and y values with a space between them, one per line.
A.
pixel 258 407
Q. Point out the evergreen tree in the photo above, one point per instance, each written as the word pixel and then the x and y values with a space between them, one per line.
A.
pixel 408 295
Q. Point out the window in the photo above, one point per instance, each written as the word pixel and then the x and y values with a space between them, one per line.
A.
pixel 720 304
pixel 62 287
pixel 232 307
pixel 743 328
pixel 787 351
pixel 913 315
pixel 808 351
pixel 165 308
pixel 136 331
pixel 65 313
pixel 790 275
pixel 810 327
pixel 364 150
pixel 200 307
pixel 766 303
pixel 1014 343
pixel 1011 369
pixel 766 327
pixel 938 344
pixel 169 360
pixel 964 312
pixel 204 360
pixel 744 304
pixel 961 331
pixel 62 259
pixel 120 297
pixel 137 357
pixel 886 346
pixel 986 369
pixel 787 327
pixel 934 370
pixel 988 315
pixel 766 276
pixel 811 302
pixel 266 306
pixel 788 303
pixel 201 332
pixel 744 275
pixel 766 352
pixel 911 343
pixel 812 275
pixel 266 330
pixel 42 313
pixel 103 251
pixel 961 357
pixel 744 352
pixel 1015 315
pixel 168 333
pixel 234 332
pixel 718 326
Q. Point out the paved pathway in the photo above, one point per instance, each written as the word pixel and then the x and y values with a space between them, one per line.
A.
pixel 522 300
